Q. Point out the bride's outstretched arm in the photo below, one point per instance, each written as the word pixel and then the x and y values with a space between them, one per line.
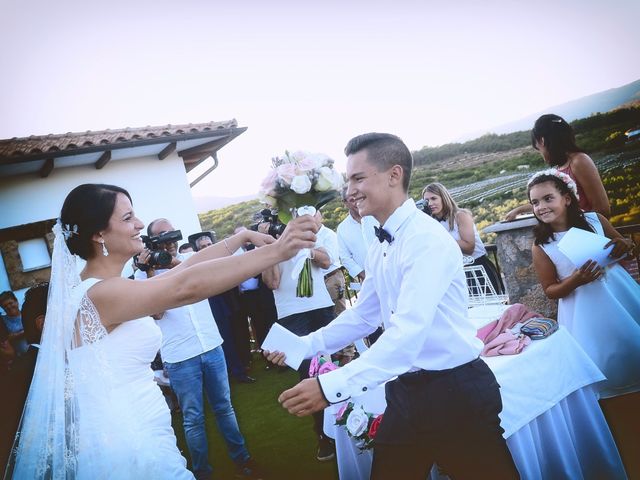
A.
pixel 119 299
pixel 219 250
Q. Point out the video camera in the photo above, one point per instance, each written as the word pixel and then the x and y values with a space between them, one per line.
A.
pixel 158 257
pixel 276 227
pixel 424 206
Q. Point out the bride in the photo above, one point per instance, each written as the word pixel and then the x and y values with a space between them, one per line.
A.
pixel 93 409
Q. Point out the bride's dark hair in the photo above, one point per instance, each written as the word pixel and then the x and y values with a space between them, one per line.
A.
pixel 89 207
pixel 542 232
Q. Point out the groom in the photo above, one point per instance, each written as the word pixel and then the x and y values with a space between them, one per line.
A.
pixel 443 406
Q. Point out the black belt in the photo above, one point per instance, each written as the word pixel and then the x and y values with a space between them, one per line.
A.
pixel 421 375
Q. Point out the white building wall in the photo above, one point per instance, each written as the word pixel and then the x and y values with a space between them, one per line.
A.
pixel 159 188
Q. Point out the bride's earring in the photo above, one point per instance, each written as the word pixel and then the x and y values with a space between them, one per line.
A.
pixel 105 252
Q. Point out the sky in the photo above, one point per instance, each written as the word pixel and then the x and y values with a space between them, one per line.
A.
pixel 304 75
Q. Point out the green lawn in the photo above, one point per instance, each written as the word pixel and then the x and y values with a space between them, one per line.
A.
pixel 283 445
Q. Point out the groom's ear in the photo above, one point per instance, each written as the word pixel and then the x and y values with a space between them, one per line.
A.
pixel 396 175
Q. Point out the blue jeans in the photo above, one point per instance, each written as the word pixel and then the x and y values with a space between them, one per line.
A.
pixel 208 370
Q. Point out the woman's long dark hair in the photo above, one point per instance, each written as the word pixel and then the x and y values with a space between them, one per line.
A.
pixel 558 136
pixel 542 232
pixel 89 207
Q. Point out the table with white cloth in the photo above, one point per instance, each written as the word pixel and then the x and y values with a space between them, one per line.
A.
pixel 553 423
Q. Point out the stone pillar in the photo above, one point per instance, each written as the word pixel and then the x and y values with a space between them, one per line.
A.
pixel 513 242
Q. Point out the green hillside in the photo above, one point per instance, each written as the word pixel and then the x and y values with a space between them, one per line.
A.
pixel 488 174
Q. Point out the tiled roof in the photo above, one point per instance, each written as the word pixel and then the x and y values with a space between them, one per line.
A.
pixel 41 145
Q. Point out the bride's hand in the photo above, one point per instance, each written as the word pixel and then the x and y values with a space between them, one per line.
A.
pixel 300 233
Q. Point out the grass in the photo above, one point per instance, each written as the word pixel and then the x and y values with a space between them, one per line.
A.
pixel 282 445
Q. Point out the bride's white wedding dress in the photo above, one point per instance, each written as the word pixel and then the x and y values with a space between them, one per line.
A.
pixel 118 403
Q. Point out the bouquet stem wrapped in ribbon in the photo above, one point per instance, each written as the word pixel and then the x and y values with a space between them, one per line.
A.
pixel 298 184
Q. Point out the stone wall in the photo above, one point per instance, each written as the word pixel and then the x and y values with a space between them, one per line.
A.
pixel 513 242
pixel 9 239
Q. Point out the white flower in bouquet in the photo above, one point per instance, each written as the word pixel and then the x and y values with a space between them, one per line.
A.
pixel 301 184
pixel 328 179
pixel 357 422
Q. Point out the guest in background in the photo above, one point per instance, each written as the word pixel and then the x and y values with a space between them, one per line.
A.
pixel 193 357
pixel 185 248
pixel 233 311
pixel 8 421
pixel 303 315
pixel 333 276
pixel 459 223
pixel 223 317
pixel 34 309
pixel 256 300
pixel 355 236
pixel 554 138
pixel 7 352
pixel 13 321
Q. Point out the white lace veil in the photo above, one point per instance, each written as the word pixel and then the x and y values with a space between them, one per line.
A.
pixel 47 443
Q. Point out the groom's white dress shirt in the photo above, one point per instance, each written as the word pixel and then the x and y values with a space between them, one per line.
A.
pixel 417 286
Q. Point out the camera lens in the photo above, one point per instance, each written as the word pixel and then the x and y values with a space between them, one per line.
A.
pixel 159 258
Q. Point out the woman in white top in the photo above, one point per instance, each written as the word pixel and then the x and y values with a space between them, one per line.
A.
pixel 459 223
pixel 93 410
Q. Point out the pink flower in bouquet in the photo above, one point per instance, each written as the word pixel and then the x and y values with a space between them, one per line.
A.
pixel 314 366
pixel 313 162
pixel 373 429
pixel 268 185
pixel 286 172
pixel 340 413
pixel 327 367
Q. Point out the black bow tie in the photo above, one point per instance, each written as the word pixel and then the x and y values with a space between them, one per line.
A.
pixel 383 235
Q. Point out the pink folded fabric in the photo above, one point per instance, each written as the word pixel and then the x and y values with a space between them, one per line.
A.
pixel 483 332
pixel 514 314
pixel 506 343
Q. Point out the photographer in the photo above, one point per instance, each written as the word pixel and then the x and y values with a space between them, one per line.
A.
pixel 193 356
pixel 303 315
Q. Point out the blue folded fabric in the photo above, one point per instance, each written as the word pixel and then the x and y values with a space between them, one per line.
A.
pixel 538 328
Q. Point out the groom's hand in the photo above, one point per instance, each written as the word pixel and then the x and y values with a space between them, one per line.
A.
pixel 304 399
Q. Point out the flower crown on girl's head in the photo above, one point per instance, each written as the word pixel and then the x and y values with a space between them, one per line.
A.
pixel 560 175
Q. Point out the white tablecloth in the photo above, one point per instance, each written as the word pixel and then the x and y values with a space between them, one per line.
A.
pixel 553 424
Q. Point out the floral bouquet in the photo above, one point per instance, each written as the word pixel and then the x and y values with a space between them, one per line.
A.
pixel 360 425
pixel 320 364
pixel 298 184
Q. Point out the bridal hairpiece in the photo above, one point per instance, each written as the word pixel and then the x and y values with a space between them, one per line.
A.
pixel 68 230
pixel 559 175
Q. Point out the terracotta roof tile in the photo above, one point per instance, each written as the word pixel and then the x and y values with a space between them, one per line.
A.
pixel 42 144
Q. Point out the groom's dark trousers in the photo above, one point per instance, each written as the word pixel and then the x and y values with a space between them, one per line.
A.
pixel 449 417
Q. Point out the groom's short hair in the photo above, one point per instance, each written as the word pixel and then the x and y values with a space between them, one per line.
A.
pixel 384 150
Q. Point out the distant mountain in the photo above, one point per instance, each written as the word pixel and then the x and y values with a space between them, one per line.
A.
pixel 205 204
pixel 579 108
